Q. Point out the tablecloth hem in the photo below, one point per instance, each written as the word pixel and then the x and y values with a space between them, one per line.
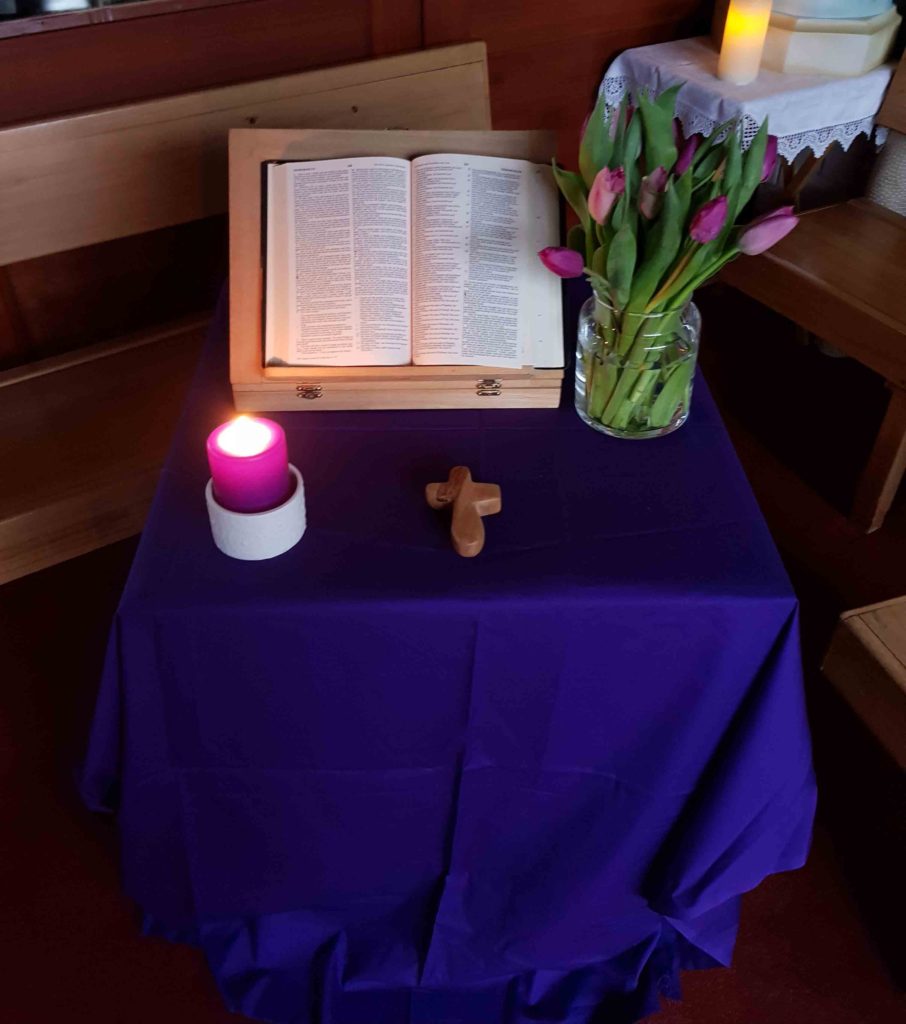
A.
pixel 311 993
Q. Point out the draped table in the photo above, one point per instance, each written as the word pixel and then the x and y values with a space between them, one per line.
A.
pixel 377 783
pixel 807 113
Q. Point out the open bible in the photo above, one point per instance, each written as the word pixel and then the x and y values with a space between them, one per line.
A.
pixel 380 261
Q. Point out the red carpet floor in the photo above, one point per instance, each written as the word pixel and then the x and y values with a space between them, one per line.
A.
pixel 71 952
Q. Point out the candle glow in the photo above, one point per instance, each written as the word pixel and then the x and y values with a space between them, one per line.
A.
pixel 244 436
pixel 249 464
pixel 743 40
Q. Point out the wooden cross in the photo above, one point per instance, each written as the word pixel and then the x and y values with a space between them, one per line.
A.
pixel 470 502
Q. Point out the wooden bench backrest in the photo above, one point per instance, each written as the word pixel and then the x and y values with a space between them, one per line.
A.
pixel 893 110
pixel 90 178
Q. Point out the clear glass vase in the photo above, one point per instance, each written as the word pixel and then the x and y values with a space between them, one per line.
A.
pixel 634 371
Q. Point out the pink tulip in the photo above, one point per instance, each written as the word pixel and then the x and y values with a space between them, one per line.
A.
pixel 651 192
pixel 606 187
pixel 562 262
pixel 764 232
pixel 686 154
pixel 709 220
pixel 770 158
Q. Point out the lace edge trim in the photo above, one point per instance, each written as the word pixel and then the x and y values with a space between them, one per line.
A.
pixel 789 147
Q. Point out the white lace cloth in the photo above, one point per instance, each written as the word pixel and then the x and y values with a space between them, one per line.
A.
pixel 803 111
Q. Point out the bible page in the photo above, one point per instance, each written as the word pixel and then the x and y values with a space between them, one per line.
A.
pixel 337 276
pixel 480 294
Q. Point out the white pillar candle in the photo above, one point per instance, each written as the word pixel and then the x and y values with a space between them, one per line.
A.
pixel 744 32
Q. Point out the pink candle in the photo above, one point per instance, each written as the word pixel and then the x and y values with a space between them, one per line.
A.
pixel 249 464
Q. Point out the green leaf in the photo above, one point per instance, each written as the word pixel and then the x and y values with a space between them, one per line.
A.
pixel 667 102
pixel 703 169
pixel 597 145
pixel 713 140
pixel 573 190
pixel 597 261
pixel 600 285
pixel 621 264
pixel 663 243
pixel 660 149
pixel 632 147
pixel 729 185
pixel 619 133
pixel 674 391
pixel 733 169
pixel 682 297
pixel 575 239
pixel 753 164
pixel 618 217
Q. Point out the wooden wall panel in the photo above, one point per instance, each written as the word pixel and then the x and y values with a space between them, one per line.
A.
pixel 15 337
pixel 396 26
pixel 50 73
pixel 71 299
pixel 546 57
pixel 143 166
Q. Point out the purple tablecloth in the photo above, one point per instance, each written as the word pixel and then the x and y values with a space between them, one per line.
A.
pixel 381 784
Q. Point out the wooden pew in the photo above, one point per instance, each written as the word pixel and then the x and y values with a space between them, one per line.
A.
pixel 842 275
pixel 82 436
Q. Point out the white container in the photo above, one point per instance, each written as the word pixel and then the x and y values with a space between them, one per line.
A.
pixel 829 46
pixel 832 8
pixel 254 536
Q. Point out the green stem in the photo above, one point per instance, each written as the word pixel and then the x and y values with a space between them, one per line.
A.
pixel 639 375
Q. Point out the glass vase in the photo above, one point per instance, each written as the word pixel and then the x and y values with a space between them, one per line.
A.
pixel 634 371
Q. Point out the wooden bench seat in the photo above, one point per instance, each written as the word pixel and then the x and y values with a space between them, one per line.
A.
pixel 842 275
pixel 82 437
pixel 82 440
pixel 866 662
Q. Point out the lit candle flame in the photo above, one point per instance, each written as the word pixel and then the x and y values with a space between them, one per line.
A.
pixel 244 437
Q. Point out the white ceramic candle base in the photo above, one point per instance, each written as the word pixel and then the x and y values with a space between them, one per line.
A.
pixel 253 536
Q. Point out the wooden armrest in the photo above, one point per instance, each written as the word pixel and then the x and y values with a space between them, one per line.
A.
pixel 839 275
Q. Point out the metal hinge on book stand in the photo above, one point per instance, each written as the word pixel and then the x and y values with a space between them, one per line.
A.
pixel 310 391
pixel 489 386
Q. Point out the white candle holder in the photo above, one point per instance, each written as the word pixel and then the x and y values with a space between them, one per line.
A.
pixel 254 536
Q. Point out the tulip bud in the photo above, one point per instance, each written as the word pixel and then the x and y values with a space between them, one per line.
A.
pixel 562 262
pixel 606 187
pixel 770 157
pixel 764 232
pixel 686 154
pixel 651 192
pixel 709 220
